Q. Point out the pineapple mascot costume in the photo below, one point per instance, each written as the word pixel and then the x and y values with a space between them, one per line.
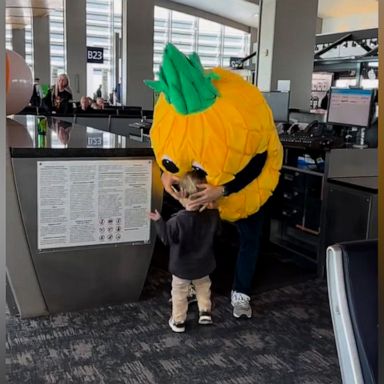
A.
pixel 217 122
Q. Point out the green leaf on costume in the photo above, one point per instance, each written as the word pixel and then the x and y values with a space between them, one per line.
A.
pixel 184 82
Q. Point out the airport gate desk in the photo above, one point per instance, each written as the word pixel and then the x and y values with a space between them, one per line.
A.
pixel 77 227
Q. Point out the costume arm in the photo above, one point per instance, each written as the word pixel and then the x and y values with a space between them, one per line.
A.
pixel 249 200
pixel 247 175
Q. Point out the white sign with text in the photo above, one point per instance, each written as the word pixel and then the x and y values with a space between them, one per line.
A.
pixel 93 202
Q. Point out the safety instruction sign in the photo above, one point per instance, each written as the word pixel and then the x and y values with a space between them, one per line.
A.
pixel 93 202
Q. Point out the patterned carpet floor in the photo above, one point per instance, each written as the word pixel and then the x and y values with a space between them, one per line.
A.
pixel 288 340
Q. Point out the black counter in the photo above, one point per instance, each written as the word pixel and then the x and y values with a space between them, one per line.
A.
pixel 102 240
pixel 64 139
pixel 368 183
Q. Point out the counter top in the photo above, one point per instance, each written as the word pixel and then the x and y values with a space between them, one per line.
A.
pixel 64 139
pixel 369 183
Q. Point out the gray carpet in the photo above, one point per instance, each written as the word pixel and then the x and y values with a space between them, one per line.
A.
pixel 288 340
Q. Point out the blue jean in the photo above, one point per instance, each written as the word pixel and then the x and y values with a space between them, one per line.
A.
pixel 250 233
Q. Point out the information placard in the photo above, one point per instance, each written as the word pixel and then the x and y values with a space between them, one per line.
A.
pixel 93 202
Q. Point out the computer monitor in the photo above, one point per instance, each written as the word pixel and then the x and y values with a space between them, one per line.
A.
pixel 279 104
pixel 350 107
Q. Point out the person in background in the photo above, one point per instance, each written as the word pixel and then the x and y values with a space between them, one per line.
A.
pixel 325 101
pixel 118 92
pixel 59 97
pixel 63 130
pixel 190 233
pixel 85 105
pixel 98 92
pixel 37 95
pixel 100 103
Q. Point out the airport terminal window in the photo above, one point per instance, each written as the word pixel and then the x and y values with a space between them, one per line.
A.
pixel 57 46
pixel 214 42
pixel 103 21
pixel 8 37
pixel 236 44
pixel 29 46
pixel 209 40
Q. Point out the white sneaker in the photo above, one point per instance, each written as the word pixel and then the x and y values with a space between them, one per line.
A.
pixel 176 327
pixel 241 305
pixel 205 318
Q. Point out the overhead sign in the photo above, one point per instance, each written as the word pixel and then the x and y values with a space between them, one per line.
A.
pixel 95 55
pixel 236 62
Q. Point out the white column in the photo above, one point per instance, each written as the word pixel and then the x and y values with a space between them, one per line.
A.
pixel 18 41
pixel 76 46
pixel 137 52
pixel 287 40
pixel 41 55
pixel 3 150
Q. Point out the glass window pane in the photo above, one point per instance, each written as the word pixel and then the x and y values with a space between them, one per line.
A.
pixel 103 21
pixel 8 37
pixel 56 42
pixel 213 42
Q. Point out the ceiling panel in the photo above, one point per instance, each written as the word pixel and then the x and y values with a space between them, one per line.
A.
pixel 242 11
pixel 19 13
pixel 343 8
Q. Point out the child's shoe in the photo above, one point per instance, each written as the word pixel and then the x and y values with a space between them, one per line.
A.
pixel 205 318
pixel 176 327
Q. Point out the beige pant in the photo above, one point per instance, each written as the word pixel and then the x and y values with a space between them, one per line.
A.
pixel 180 296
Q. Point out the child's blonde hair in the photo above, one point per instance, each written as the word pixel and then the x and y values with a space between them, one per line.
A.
pixel 188 183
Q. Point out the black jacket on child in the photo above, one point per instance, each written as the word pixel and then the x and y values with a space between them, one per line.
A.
pixel 190 235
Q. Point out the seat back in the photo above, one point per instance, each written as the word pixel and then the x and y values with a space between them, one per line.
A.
pixel 129 111
pixel 98 121
pixel 352 269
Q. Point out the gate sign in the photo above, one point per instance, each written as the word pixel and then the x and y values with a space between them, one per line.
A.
pixel 95 140
pixel 236 62
pixel 95 55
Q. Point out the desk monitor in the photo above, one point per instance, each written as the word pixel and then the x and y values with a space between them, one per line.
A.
pixel 279 104
pixel 350 107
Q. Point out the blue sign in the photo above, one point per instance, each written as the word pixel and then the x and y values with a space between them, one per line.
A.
pixel 95 55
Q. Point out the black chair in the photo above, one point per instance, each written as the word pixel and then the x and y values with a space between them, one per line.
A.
pixel 134 112
pixel 29 110
pixel 109 111
pixel 352 274
pixel 148 114
pixel 120 125
pixel 100 121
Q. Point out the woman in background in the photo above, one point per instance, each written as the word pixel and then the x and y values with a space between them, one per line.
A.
pixel 59 97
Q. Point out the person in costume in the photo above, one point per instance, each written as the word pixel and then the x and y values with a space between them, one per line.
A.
pixel 218 123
